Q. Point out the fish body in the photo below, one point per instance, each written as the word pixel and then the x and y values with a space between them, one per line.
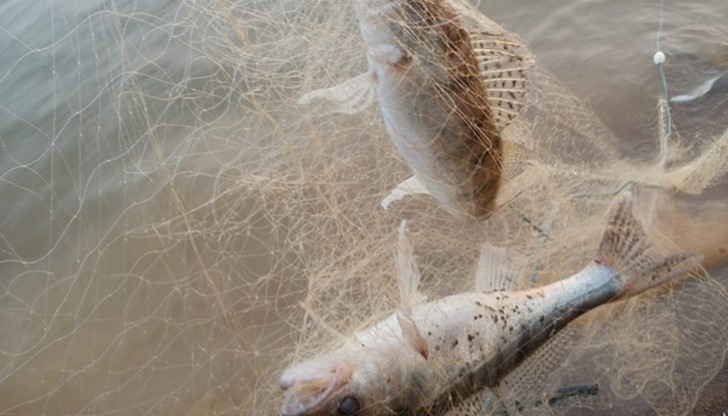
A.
pixel 448 81
pixel 466 342
pixel 433 100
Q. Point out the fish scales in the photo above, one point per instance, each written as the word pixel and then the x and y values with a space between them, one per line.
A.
pixel 433 100
pixel 471 340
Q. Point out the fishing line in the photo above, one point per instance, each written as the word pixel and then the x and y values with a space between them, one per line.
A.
pixel 665 131
pixel 665 116
pixel 659 60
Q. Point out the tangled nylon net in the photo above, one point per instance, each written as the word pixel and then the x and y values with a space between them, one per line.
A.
pixel 176 235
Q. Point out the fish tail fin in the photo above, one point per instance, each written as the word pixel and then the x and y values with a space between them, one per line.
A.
pixel 625 248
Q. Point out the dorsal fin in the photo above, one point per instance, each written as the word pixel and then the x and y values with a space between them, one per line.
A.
pixel 503 63
pixel 498 269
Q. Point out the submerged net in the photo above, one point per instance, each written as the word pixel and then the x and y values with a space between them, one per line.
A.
pixel 175 235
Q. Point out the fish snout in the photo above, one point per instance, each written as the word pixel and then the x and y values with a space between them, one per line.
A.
pixel 311 388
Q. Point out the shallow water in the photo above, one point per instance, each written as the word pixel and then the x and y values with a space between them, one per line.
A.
pixel 116 121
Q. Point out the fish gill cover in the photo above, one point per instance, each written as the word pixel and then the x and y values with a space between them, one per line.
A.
pixel 177 230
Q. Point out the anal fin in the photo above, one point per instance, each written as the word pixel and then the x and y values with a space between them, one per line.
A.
pixel 408 277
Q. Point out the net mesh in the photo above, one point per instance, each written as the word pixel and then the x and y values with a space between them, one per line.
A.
pixel 175 235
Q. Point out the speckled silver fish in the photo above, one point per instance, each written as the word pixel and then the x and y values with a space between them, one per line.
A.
pixel 424 359
pixel 445 93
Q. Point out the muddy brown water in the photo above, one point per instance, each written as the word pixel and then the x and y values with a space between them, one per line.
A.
pixel 119 294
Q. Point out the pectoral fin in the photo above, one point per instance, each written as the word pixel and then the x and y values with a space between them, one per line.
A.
pixel 409 281
pixel 349 97
pixel 410 186
pixel 412 335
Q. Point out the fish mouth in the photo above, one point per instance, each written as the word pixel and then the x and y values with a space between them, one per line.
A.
pixel 312 388
pixel 374 9
pixel 379 7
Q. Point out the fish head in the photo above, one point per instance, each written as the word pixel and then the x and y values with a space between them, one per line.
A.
pixel 350 382
pixel 412 36
pixel 316 386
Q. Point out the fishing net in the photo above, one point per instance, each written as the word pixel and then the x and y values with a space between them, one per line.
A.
pixel 177 229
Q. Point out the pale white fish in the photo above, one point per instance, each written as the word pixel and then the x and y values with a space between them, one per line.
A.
pixel 445 93
pixel 502 57
pixel 451 348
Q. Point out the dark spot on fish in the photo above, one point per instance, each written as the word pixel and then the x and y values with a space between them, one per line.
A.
pixel 529 296
pixel 470 337
pixel 495 319
pixel 455 343
pixel 722 251
pixel 437 347
pixel 478 303
pixel 541 318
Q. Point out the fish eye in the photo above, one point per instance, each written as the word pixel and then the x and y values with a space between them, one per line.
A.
pixel 349 406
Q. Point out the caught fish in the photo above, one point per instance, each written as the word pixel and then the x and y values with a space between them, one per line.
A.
pixel 427 357
pixel 445 93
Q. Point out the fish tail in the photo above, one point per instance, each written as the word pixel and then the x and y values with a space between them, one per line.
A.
pixel 625 248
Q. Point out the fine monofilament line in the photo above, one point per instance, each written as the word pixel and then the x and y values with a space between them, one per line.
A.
pixel 592 194
pixel 665 115
pixel 177 230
